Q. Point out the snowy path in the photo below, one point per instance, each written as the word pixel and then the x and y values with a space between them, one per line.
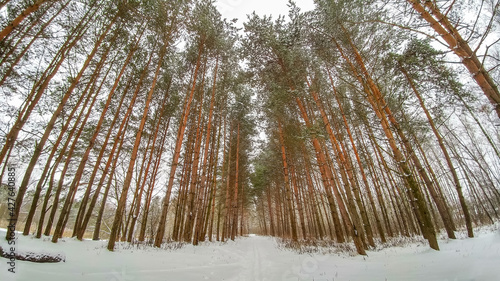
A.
pixel 258 258
pixel 262 260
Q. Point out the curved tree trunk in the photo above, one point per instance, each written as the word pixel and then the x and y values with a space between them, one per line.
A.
pixel 25 13
pixel 441 24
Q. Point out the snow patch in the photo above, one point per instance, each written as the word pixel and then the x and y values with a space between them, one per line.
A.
pixel 262 258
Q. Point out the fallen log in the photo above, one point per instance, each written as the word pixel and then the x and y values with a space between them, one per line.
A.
pixel 33 257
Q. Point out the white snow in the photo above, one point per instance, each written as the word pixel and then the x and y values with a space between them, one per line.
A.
pixel 257 258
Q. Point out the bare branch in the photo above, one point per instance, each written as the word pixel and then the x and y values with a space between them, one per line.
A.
pixel 405 28
pixel 487 49
pixel 475 21
pixel 488 29
pixel 449 8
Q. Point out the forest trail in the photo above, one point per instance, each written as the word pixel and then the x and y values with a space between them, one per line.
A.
pixel 261 258
pixel 253 254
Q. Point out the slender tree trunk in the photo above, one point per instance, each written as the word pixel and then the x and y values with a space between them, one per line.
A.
pixel 299 201
pixel 128 178
pixel 270 209
pixel 288 192
pixel 429 11
pixel 312 199
pixel 458 187
pixel 228 177
pixel 180 136
pixel 42 83
pixel 149 193
pixel 234 228
pixel 376 100
pixel 207 141
pixel 214 186
pixel 25 13
pixel 195 189
pixel 39 148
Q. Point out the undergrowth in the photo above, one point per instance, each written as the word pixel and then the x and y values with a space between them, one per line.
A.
pixel 329 247
pixel 315 246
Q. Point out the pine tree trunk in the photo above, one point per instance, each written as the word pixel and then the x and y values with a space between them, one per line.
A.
pixel 234 228
pixel 180 136
pixel 207 142
pixel 128 178
pixel 288 192
pixel 214 186
pixel 227 197
pixel 310 185
pixel 41 85
pixel 299 202
pixel 10 69
pixel 151 185
pixel 375 98
pixel 25 13
pixel 458 186
pixel 270 209
pixel 460 47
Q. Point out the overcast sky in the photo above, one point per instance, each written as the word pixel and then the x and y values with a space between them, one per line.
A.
pixel 231 9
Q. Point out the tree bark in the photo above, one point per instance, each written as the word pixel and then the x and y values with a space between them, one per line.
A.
pixel 25 13
pixel 288 192
pixel 375 98
pixel 180 136
pixel 458 186
pixel 130 169
pixel 441 24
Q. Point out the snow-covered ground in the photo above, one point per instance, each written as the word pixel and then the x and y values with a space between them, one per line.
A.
pixel 257 258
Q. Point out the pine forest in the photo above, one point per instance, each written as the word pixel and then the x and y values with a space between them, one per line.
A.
pixel 161 122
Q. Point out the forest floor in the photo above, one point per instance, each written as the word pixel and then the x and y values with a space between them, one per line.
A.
pixel 257 258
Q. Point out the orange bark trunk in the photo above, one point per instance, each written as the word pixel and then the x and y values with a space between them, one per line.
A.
pixel 8 29
pixel 460 47
pixel 175 161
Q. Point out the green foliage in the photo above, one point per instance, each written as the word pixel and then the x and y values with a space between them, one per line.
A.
pixel 437 82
